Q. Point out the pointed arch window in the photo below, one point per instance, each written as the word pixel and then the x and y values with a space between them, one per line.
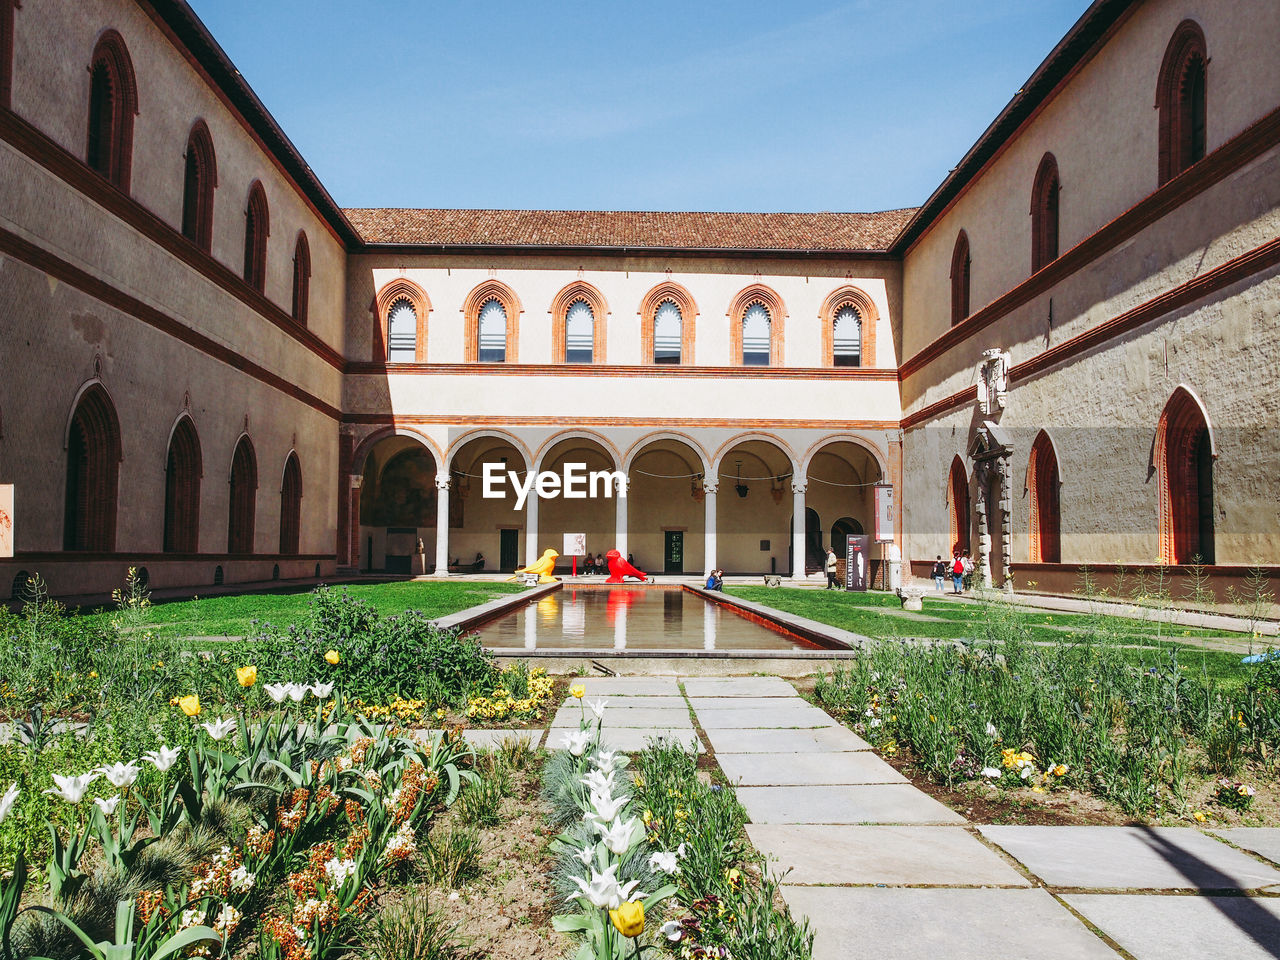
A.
pixel 578 324
pixel 301 278
pixel 846 337
pixel 1184 462
pixel 6 52
pixel 183 470
pixel 402 332
pixel 244 491
pixel 199 180
pixel 93 474
pixel 1043 484
pixel 961 270
pixel 756 336
pixel 1181 98
pixel 958 506
pixel 668 333
pixel 113 104
pixel 579 333
pixel 257 227
pixel 492 331
pixel 848 316
pixel 401 309
pixel 1044 214
pixel 291 506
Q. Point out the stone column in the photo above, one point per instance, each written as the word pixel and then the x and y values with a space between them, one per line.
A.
pixel 797 531
pixel 531 551
pixel 620 517
pixel 709 489
pixel 442 525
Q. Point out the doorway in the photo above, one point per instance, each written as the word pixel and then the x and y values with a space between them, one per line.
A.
pixel 673 552
pixel 508 550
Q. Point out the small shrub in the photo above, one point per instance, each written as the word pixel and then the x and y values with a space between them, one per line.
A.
pixel 410 930
pixel 453 855
pixel 481 803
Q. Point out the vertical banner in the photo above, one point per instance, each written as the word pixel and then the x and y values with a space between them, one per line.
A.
pixel 6 520
pixel 857 562
pixel 884 512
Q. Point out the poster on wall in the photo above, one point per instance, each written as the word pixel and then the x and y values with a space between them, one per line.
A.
pixel 575 545
pixel 884 512
pixel 857 566
pixel 6 520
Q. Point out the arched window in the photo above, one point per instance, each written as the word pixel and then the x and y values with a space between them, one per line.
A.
pixel 579 333
pixel 182 490
pixel 301 278
pixel 1184 462
pixel 113 103
pixel 1044 214
pixel 491 313
pixel 257 226
pixel 1042 485
pixel 402 332
pixel 93 474
pixel 961 267
pixel 756 336
pixel 199 180
pixel 846 337
pixel 244 493
pixel 491 326
pixel 1181 100
pixel 291 506
pixel 668 332
pixel 6 52
pixel 401 307
pixel 958 504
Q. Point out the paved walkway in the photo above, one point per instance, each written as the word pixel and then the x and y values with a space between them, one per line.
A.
pixel 885 872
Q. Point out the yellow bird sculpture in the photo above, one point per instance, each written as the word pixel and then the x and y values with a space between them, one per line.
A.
pixel 544 566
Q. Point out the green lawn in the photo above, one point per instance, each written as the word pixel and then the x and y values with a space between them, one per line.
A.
pixel 880 615
pixel 233 616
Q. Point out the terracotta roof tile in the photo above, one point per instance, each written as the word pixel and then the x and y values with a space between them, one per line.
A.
pixel 607 228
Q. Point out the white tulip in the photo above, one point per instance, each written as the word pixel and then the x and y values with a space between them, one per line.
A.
pixel 680 850
pixel 597 707
pixel 322 690
pixel 664 862
pixel 577 743
pixel 120 774
pixel 585 855
pixel 7 801
pixel 604 808
pixel 71 789
pixel 220 728
pixel 108 807
pixel 991 772
pixel 604 891
pixel 163 758
pixel 672 930
pixel 296 691
pixel 618 836
pixel 992 732
pixel 608 760
pixel 276 691
pixel 598 782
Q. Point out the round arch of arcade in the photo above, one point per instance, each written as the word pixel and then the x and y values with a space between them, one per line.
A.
pixel 670 515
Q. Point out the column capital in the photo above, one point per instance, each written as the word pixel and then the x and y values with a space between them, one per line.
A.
pixel 798 487
pixel 711 486
pixel 442 483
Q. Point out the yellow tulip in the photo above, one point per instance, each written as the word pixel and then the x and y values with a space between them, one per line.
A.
pixel 628 918
pixel 332 657
pixel 578 690
pixel 190 705
pixel 247 676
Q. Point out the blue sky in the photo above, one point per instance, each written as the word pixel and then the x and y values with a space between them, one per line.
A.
pixel 746 105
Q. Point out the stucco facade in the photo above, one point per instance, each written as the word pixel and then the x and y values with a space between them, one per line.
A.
pixel 1144 350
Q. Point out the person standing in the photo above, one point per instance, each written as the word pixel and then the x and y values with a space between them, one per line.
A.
pixel 939 574
pixel 957 574
pixel 831 570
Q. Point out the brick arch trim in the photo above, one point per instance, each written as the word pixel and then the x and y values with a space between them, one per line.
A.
pixel 94 452
pixel 1045 193
pixel 869 316
pixel 1044 481
pixel 958 506
pixel 961 278
pixel 387 297
pixel 1186 46
pixel 649 304
pixel 242 507
pixel 738 306
pixel 115 159
pixel 301 278
pixel 569 295
pixel 7 8
pixel 200 179
pixel 184 468
pixel 257 227
pixel 480 295
pixel 1181 422
pixel 290 505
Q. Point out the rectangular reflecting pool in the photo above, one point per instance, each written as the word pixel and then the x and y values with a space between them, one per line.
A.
pixel 631 618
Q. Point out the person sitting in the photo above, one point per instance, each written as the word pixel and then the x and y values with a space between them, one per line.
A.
pixel 715 580
pixel 479 562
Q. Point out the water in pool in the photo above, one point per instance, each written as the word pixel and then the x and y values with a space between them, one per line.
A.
pixel 630 618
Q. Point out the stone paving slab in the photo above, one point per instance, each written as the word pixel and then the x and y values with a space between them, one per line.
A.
pixel 1185 928
pixel 568 716
pixel 1122 858
pixel 867 923
pixel 488 739
pixel 629 739
pixel 738 687
pixel 748 703
pixel 800 717
pixel 627 701
pixel 886 803
pixel 819 740
pixel 806 769
pixel 1264 841
pixel 629 686
pixel 832 855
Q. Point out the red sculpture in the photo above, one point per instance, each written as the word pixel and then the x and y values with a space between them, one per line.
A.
pixel 619 569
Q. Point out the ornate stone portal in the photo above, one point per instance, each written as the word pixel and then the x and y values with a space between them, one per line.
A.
pixel 993 501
